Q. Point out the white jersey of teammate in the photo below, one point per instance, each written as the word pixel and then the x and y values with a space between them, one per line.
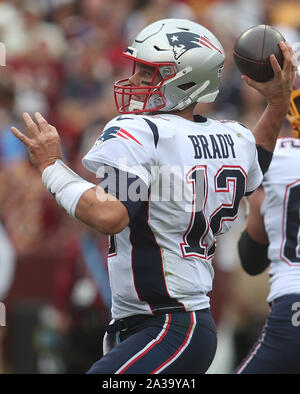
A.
pixel 281 211
pixel 162 262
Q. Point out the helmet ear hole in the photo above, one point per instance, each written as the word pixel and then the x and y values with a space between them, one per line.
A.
pixel 186 86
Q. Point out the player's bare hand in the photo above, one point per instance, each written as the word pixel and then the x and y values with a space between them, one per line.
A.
pixel 41 139
pixel 278 90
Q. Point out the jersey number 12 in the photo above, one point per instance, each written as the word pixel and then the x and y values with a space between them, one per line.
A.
pixel 199 238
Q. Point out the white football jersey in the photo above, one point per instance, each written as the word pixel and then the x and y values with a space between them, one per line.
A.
pixel 196 173
pixel 281 211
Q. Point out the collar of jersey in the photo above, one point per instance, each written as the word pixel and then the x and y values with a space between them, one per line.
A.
pixel 199 119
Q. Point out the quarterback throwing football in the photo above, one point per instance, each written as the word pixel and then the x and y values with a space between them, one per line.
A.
pixel 161 249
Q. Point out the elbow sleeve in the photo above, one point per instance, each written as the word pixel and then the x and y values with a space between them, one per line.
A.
pixel 264 158
pixel 253 255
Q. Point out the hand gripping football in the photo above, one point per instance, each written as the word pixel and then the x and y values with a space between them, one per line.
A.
pixel 252 52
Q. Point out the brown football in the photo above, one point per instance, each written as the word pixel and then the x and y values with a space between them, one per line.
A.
pixel 252 52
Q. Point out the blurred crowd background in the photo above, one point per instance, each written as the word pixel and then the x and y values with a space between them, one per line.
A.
pixel 62 57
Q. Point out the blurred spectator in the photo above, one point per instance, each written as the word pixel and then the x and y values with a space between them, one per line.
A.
pixel 152 10
pixel 12 29
pixel 13 182
pixel 221 14
pixel 7 263
pixel 7 272
pixel 82 300
pixel 285 13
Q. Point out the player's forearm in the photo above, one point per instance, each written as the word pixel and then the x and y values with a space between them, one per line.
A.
pixel 102 211
pixel 83 200
pixel 268 127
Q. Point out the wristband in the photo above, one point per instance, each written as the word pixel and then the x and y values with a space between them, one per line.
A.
pixel 65 185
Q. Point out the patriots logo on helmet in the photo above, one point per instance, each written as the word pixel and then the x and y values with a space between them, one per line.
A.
pixel 183 41
pixel 116 132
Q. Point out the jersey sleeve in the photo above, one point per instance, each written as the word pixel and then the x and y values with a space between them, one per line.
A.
pixel 255 175
pixel 127 143
pixel 127 188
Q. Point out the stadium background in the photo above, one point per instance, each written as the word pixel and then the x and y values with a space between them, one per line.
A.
pixel 62 57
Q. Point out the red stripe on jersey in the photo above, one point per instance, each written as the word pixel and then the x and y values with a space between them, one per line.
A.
pixel 129 135
pixel 119 134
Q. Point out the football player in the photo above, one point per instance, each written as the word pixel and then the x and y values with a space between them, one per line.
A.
pixel 272 237
pixel 171 182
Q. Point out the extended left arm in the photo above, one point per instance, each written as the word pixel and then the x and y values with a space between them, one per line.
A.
pixel 81 199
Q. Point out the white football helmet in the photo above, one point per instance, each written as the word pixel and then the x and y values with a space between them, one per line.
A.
pixel 189 59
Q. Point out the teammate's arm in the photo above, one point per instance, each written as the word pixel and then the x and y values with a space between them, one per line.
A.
pixel 253 243
pixel 277 93
pixel 83 200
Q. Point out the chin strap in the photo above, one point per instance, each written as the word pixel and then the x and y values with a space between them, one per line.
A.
pixel 208 98
pixel 192 97
pixel 136 105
